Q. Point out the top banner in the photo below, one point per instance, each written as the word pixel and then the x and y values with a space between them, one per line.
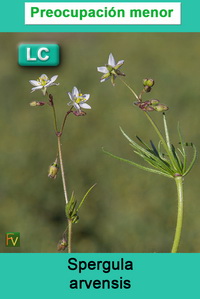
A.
pixel 92 13
pixel 100 16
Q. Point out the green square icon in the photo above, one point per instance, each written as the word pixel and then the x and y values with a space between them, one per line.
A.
pixel 39 55
pixel 12 239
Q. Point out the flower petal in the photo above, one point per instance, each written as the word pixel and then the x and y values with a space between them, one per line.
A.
pixel 71 96
pixel 35 83
pixel 85 106
pixel 119 64
pixel 102 69
pixel 54 78
pixel 111 60
pixel 35 88
pixel 75 92
pixel 76 106
pixel 51 84
pixel 104 79
pixel 44 77
pixel 86 97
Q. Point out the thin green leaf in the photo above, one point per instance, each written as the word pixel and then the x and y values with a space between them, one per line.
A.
pixel 143 143
pixel 158 163
pixel 178 161
pixel 162 155
pixel 138 165
pixel 162 166
pixel 183 148
pixel 84 197
pixel 166 132
pixel 193 160
pixel 154 148
pixel 151 157
pixel 70 205
pixel 141 149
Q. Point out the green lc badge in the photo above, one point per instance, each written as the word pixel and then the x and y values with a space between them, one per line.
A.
pixel 38 54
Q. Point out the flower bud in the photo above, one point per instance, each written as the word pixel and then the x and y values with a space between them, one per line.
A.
pixel 148 108
pixel 154 102
pixel 145 106
pixel 145 81
pixel 148 82
pixel 34 104
pixel 161 108
pixel 53 170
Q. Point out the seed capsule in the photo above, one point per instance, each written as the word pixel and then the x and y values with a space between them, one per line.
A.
pixel 53 170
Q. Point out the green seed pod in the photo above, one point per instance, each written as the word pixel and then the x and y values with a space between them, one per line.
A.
pixel 161 108
pixel 53 170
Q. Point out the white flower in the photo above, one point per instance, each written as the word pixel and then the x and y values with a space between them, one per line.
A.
pixel 43 82
pixel 78 100
pixel 111 69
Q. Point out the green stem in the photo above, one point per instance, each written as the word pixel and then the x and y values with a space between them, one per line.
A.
pixel 133 92
pixel 62 169
pixel 179 185
pixel 69 230
pixel 69 236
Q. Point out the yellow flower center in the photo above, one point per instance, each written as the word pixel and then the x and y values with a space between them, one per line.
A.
pixel 43 80
pixel 80 98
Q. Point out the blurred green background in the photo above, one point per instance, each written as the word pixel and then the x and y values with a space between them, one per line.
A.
pixel 129 210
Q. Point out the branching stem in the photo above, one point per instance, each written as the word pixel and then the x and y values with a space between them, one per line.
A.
pixel 58 134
